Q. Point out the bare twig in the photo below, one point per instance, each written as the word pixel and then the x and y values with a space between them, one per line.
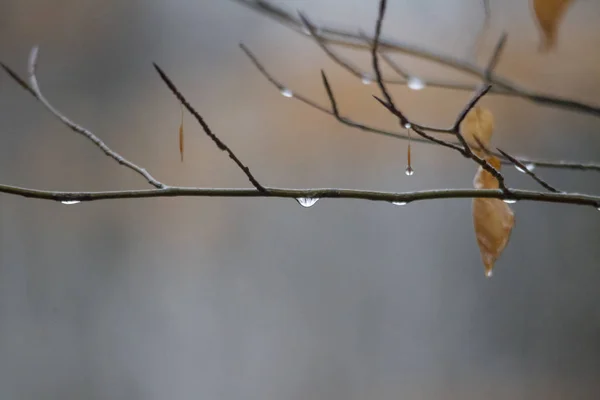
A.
pixel 34 89
pixel 523 168
pixel 220 144
pixel 317 193
pixel 354 40
pixel 541 163
pixel 465 150
pixel 495 58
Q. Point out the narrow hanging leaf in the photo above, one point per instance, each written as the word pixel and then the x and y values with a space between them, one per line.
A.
pixel 478 123
pixel 181 135
pixel 493 219
pixel 549 14
pixel 409 169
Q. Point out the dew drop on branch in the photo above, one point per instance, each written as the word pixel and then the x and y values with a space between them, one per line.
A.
pixel 399 203
pixel 286 93
pixel 489 273
pixel 407 125
pixel 366 79
pixel 409 171
pixel 510 201
pixel 415 83
pixel 529 166
pixel 70 202
pixel 307 201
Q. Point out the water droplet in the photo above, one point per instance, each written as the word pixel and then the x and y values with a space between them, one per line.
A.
pixel 409 171
pixel 415 83
pixel 70 202
pixel 407 125
pixel 307 201
pixel 510 201
pixel 399 203
pixel 530 167
pixel 286 93
pixel 366 79
pixel 489 273
pixel 519 169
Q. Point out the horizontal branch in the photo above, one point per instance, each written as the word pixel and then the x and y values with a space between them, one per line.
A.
pixel 390 197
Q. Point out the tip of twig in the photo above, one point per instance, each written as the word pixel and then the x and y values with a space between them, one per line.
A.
pixel 382 102
pixel 33 56
pixel 17 78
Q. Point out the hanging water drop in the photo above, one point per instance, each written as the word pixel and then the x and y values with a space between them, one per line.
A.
pixel 307 201
pixel 519 169
pixel 409 171
pixel 286 93
pixel 399 203
pixel 407 125
pixel 510 201
pixel 415 83
pixel 489 273
pixel 366 79
pixel 530 167
pixel 70 202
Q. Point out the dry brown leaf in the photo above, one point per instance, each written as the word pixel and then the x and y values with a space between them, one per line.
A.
pixel 492 218
pixel 549 14
pixel 181 135
pixel 479 123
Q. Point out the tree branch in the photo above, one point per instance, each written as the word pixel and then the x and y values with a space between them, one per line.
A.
pixel 390 197
pixel 34 89
pixel 220 144
pixel 504 86
pixel 541 163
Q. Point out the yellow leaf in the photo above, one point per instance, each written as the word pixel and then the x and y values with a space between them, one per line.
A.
pixel 493 219
pixel 479 123
pixel 549 14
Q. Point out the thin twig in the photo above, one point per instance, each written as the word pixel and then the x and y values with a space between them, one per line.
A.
pixel 465 150
pixel 34 89
pixel 541 163
pixel 495 58
pixel 375 60
pixel 317 193
pixel 354 40
pixel 336 58
pixel 220 144
pixel 482 91
pixel 526 170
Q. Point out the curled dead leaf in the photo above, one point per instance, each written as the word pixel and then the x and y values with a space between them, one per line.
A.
pixel 549 14
pixel 479 123
pixel 493 219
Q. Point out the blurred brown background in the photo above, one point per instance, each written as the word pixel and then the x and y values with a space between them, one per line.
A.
pixel 260 298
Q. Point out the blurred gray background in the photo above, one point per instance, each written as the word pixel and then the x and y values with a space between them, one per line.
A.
pixel 260 298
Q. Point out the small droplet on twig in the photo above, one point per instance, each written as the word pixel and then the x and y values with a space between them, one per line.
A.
pixel 415 83
pixel 286 93
pixel 409 171
pixel 530 167
pixel 307 201
pixel 366 79
pixel 510 201
pixel 489 273
pixel 407 125
pixel 70 202
pixel 399 203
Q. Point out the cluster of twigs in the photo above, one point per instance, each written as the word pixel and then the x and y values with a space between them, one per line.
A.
pixel 378 48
